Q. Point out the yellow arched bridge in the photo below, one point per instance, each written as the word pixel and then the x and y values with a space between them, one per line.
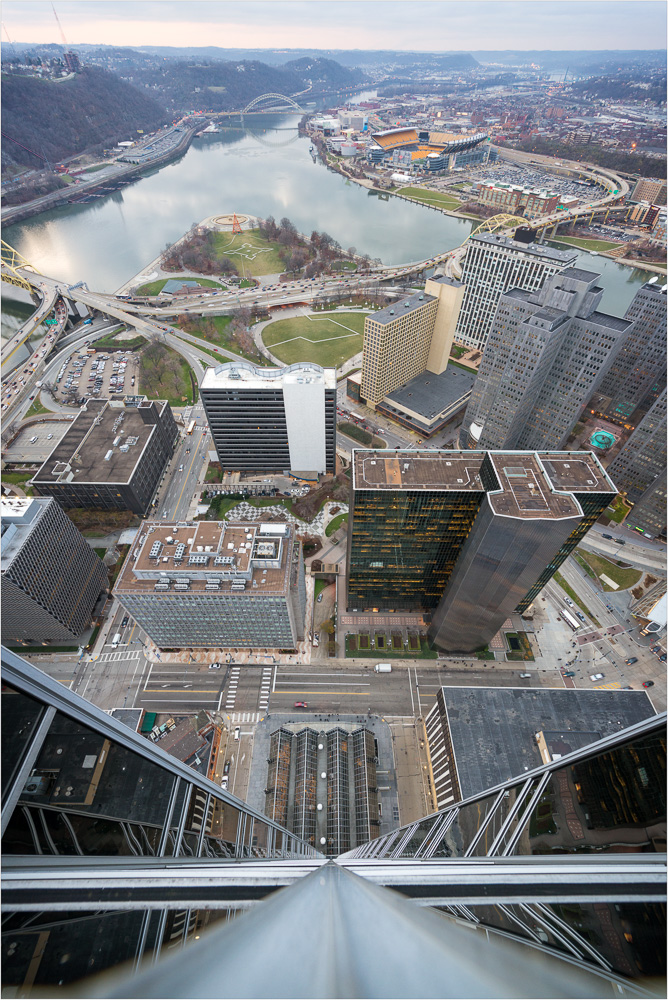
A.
pixel 12 260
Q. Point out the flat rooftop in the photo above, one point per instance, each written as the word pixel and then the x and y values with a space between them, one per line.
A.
pixel 504 746
pixel 208 557
pixel 564 257
pixel 80 455
pixel 241 373
pixel 532 484
pixel 398 309
pixel 430 395
pixel 18 517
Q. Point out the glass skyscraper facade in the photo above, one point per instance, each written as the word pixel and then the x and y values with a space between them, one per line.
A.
pixel 116 853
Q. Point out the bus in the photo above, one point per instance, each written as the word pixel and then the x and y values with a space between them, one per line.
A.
pixel 191 427
pixel 569 618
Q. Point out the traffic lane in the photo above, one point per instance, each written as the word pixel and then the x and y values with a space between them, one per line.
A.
pixel 183 686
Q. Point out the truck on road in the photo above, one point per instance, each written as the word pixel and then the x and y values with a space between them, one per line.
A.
pixel 383 668
pixel 115 641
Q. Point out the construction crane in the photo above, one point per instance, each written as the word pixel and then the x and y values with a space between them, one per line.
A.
pixel 62 33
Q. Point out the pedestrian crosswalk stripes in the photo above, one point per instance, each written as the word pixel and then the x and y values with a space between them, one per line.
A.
pixel 118 654
pixel 246 716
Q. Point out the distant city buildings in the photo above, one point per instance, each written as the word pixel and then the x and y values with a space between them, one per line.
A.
pixel 546 353
pixel 467 536
pixel 272 419
pixel 494 264
pixel 213 584
pixel 51 578
pixel 322 785
pixel 638 373
pixel 639 470
pixel 111 457
pixel 522 730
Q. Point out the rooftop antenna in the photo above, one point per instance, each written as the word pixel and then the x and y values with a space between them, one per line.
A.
pixel 11 43
pixel 62 33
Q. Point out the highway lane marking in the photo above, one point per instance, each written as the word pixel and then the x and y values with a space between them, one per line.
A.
pixel 357 694
pixel 339 683
pixel 162 690
pixel 319 673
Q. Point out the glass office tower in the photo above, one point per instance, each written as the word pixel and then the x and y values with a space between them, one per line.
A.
pixel 551 884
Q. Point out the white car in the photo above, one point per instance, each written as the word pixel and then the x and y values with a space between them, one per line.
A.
pixel 596 677
pixel 237 732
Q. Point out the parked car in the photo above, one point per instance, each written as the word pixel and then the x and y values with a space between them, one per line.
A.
pixel 596 677
pixel 226 769
pixel 648 684
pixel 319 598
pixel 631 659
pixel 569 673
pixel 301 704
pixel 607 536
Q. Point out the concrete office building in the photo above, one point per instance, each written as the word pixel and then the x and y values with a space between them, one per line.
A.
pixel 467 536
pixel 408 338
pixel 215 585
pixel 272 419
pixel 112 456
pixel 492 265
pixel 118 857
pixel 639 470
pixel 638 373
pixel 547 352
pixel 649 189
pixel 523 729
pixel 51 578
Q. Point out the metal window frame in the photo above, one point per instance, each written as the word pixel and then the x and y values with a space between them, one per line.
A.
pixel 524 793
pixel 23 676
pixel 485 823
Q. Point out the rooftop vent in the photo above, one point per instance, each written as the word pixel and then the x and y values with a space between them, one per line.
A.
pixel 107 457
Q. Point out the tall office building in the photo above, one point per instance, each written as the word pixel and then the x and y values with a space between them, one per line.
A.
pixel 51 578
pixel 215 584
pixel 638 373
pixel 547 351
pixel 493 265
pixel 639 470
pixel 469 536
pixel 117 856
pixel 409 337
pixel 650 189
pixel 272 419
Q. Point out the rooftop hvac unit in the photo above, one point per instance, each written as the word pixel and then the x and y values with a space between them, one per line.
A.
pixel 169 540
pixel 161 586
pixel 107 457
pixel 198 559
pixel 117 440
pixel 212 586
pixel 179 552
pixel 123 448
pixel 181 586
pixel 156 549
pixel 238 586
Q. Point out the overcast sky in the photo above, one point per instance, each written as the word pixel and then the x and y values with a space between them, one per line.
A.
pixel 418 25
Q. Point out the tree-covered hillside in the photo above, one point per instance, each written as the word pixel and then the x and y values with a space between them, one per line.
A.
pixel 60 119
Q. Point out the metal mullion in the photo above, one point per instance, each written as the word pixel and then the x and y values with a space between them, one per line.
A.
pixel 33 829
pixel 553 931
pixel 159 936
pixel 141 943
pixel 205 820
pixel 524 792
pixel 567 929
pixel 182 822
pixel 22 774
pixel 162 846
pixel 47 833
pixel 129 838
pixel 485 823
pixel 520 923
pixel 404 840
pixel 249 836
pixel 186 927
pixel 429 835
pixel 438 836
pixel 520 826
pixel 66 820
pixel 392 839
pixel 241 826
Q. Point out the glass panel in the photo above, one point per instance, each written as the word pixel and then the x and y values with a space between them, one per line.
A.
pixel 221 829
pixel 470 817
pixel 20 718
pixel 81 769
pixel 260 839
pixel 520 816
pixel 53 950
pixel 615 798
pixel 419 836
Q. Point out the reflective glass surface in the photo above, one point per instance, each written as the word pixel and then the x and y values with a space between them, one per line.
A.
pixel 20 718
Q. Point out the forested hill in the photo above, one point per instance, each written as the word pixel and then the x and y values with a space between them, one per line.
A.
pixel 94 109
pixel 325 73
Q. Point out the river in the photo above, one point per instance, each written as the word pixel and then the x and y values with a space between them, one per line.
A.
pixel 266 170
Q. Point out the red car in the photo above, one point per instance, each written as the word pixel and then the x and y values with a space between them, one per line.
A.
pixel 301 704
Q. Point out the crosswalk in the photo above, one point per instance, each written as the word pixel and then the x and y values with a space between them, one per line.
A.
pixel 245 717
pixel 232 689
pixel 120 654
pixel 265 686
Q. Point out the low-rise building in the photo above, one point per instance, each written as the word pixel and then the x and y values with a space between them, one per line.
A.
pixel 215 585
pixel 112 456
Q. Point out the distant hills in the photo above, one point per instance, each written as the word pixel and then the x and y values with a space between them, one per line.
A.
pixel 57 120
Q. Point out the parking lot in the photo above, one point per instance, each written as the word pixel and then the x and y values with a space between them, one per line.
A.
pixel 47 435
pixel 97 375
pixel 527 178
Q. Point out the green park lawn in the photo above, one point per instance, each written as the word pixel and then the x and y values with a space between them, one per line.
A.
pixel 35 408
pixel 599 245
pixel 155 287
pixel 325 340
pixel 249 252
pixel 436 198
pixel 617 511
pixel 335 523
pixel 596 566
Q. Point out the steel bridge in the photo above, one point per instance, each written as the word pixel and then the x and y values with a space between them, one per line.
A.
pixel 271 97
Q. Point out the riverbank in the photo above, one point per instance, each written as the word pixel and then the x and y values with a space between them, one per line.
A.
pixel 18 213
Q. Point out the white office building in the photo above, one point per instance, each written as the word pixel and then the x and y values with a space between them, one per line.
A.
pixel 272 419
